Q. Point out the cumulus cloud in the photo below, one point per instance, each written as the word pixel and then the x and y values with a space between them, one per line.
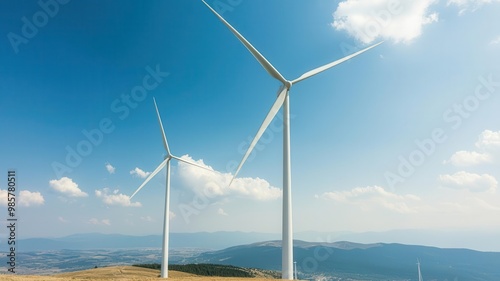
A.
pixel 139 173
pixel 213 184
pixel 468 158
pixel 465 5
pixel 115 198
pixel 488 139
pixel 469 181
pixel 67 187
pixel 28 198
pixel 25 198
pixel 400 21
pixel 99 222
pixel 110 168
pixel 488 142
pixel 3 197
pixel 374 195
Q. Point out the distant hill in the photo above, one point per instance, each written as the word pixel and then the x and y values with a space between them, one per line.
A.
pixel 483 241
pixel 89 241
pixel 364 261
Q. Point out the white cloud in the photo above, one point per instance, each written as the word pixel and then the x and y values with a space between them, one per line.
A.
pixel 488 139
pixel 28 198
pixel 3 197
pixel 115 198
pixel 140 173
pixel 100 222
pixel 495 41
pixel 469 181
pixel 465 5
pixel 487 142
pixel 468 158
pixel 222 212
pixel 110 168
pixel 25 198
pixel 367 20
pixel 374 195
pixel 67 187
pixel 214 184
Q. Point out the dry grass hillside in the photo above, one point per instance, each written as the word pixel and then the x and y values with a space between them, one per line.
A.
pixel 122 273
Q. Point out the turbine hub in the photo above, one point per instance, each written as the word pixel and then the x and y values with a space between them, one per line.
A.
pixel 288 84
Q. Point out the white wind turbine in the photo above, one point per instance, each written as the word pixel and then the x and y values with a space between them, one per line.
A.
pixel 419 273
pixel 166 162
pixel 282 100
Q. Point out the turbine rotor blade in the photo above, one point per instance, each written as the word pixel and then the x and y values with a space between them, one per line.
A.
pixel 156 171
pixel 191 163
pixel 270 116
pixel 165 143
pixel 332 64
pixel 260 58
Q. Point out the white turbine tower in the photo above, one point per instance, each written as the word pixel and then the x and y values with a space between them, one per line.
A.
pixel 419 273
pixel 166 162
pixel 282 100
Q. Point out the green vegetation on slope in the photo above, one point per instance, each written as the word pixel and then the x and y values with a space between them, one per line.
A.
pixel 205 269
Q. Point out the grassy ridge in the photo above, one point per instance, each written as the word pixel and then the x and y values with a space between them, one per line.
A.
pixel 214 270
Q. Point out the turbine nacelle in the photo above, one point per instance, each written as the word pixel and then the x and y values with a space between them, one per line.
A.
pixel 281 88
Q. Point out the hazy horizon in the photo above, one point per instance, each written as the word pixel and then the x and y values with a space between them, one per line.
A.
pixel 479 241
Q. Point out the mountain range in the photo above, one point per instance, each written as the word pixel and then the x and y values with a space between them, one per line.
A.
pixel 89 241
pixel 340 260
pixel 379 261
pixel 476 240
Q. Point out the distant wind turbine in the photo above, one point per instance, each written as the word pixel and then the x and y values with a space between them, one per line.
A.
pixel 166 162
pixel 419 274
pixel 295 270
pixel 282 100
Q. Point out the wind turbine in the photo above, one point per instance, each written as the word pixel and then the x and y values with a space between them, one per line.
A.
pixel 166 162
pixel 419 273
pixel 281 100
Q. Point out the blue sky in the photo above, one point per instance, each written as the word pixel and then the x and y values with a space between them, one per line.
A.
pixel 405 136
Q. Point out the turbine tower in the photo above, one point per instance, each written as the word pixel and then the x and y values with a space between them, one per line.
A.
pixel 282 100
pixel 166 162
pixel 419 273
